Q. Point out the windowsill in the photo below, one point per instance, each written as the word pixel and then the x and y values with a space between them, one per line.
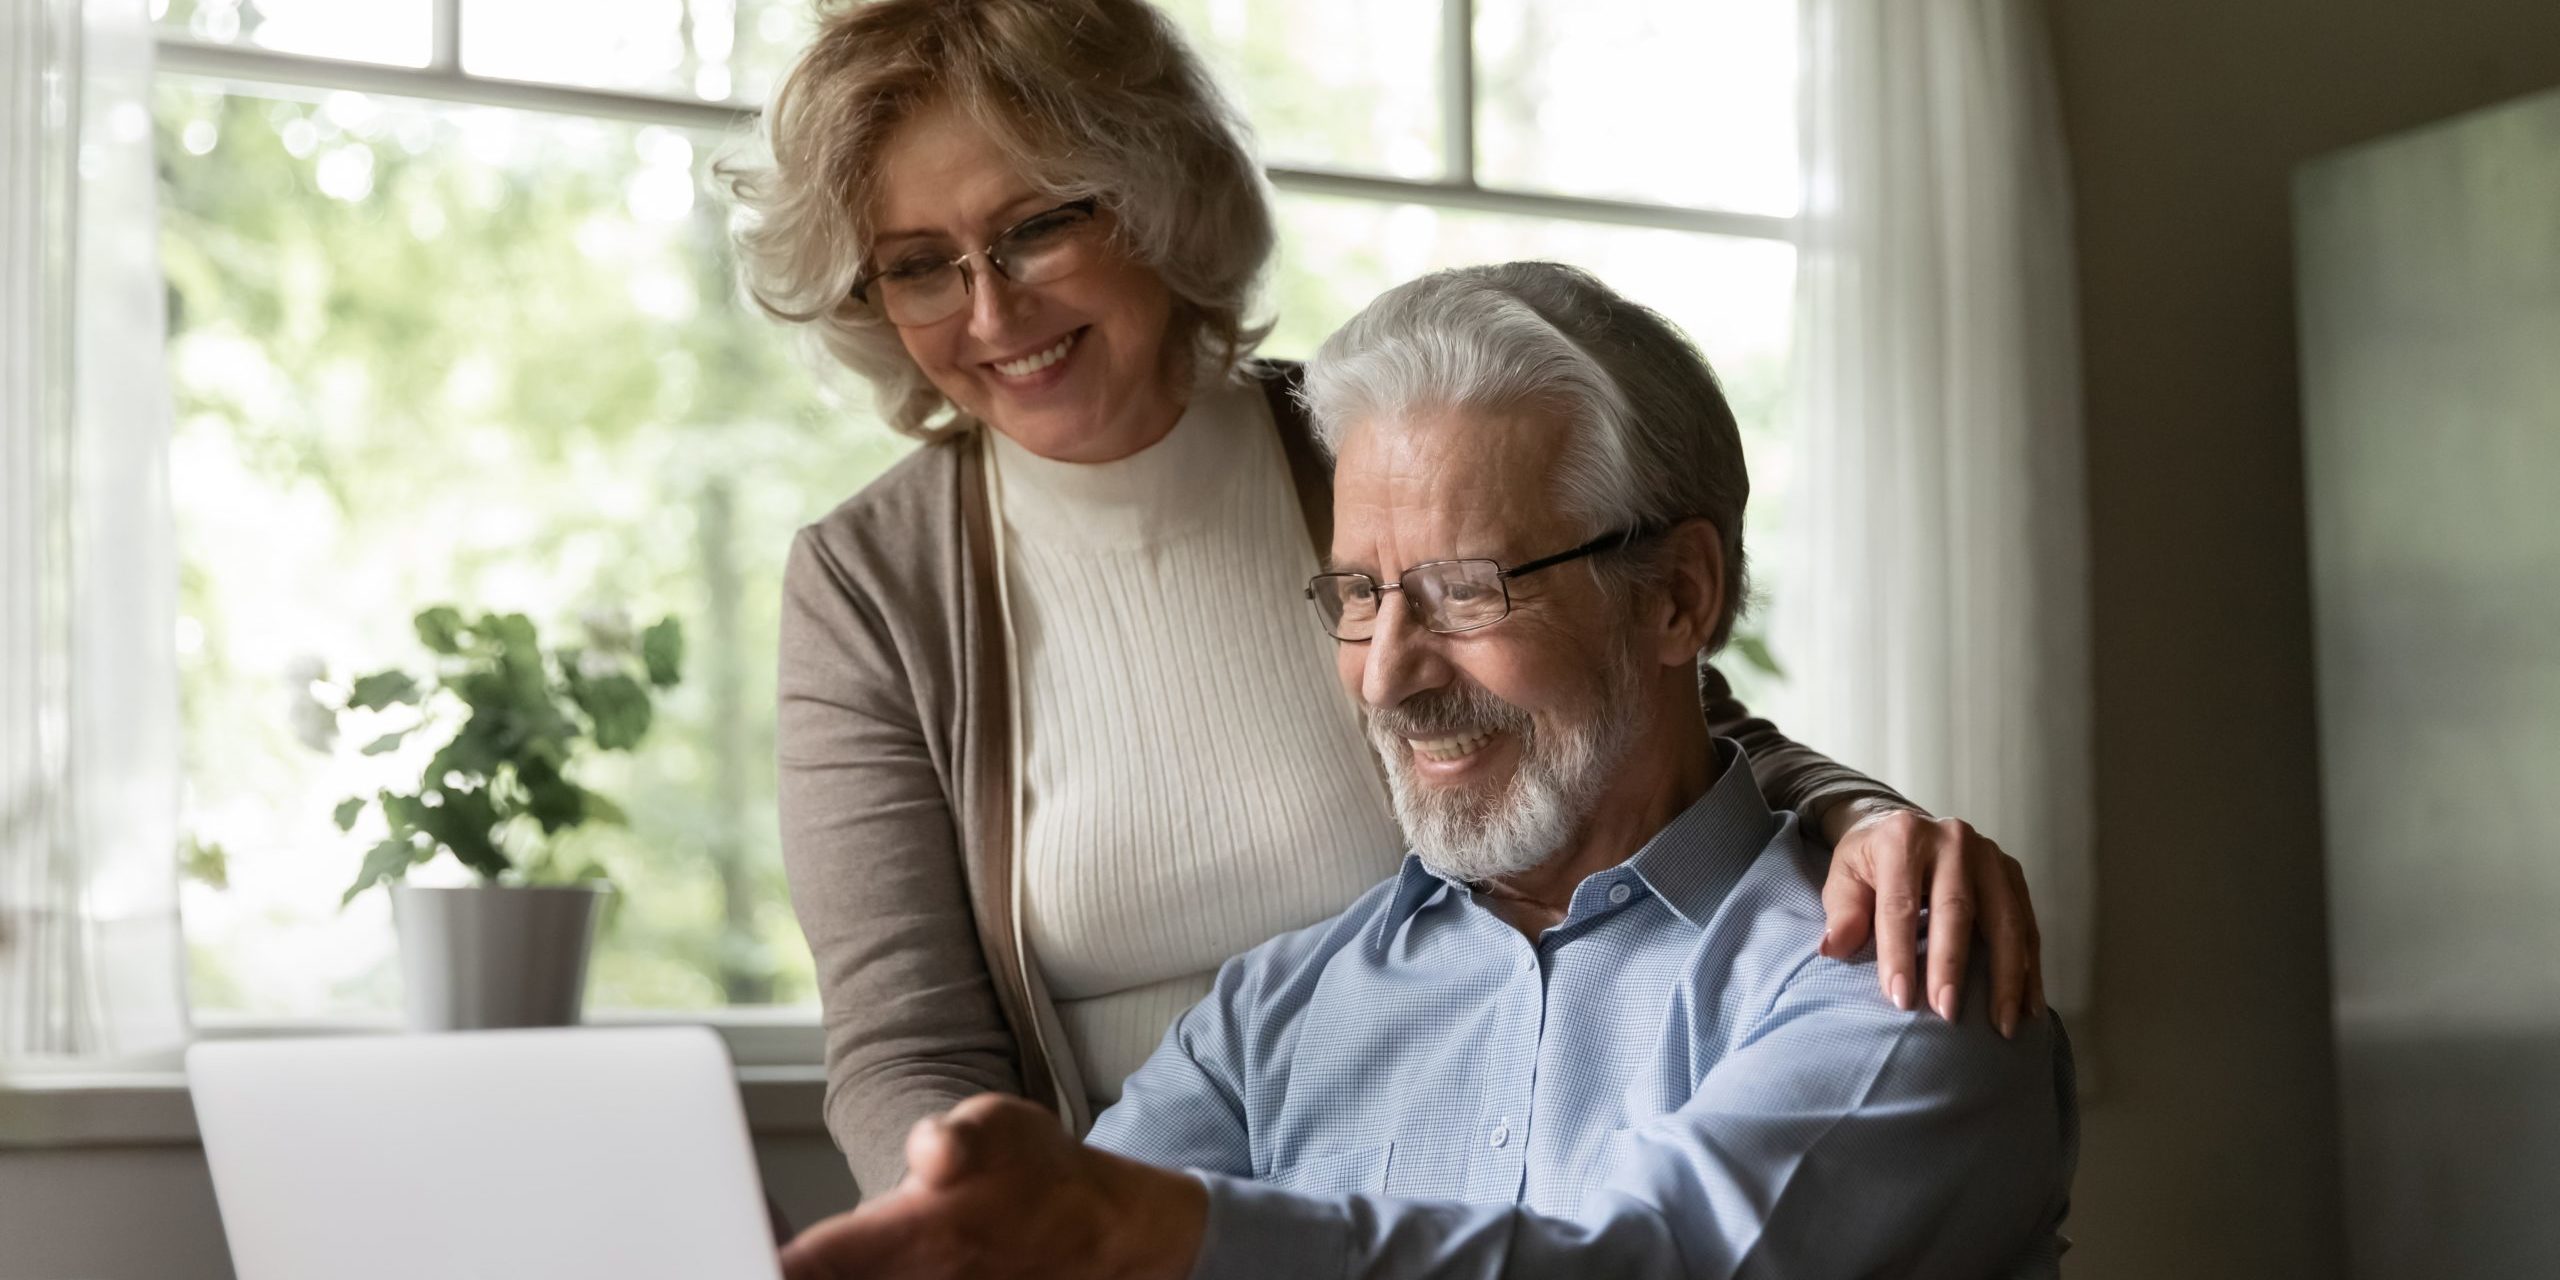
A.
pixel 143 1102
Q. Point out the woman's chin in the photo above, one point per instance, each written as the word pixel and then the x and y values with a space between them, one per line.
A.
pixel 1058 433
pixel 1078 431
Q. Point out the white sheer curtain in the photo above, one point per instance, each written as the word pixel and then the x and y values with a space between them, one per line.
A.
pixel 91 964
pixel 1933 606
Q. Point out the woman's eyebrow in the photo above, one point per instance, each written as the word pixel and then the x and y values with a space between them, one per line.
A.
pixel 1006 216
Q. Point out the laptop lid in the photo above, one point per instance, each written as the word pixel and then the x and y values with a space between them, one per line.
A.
pixel 565 1154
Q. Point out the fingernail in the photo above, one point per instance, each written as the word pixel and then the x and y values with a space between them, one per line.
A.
pixel 1902 992
pixel 1946 1003
pixel 2009 1024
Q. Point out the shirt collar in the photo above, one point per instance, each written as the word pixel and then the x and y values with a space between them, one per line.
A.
pixel 1415 884
pixel 1690 864
pixel 1693 863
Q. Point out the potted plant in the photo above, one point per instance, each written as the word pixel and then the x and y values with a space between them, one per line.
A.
pixel 496 795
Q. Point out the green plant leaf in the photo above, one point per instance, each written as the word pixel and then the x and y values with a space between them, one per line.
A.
pixel 386 744
pixel 461 822
pixel 466 825
pixel 471 755
pixel 382 689
pixel 1755 651
pixel 388 860
pixel 514 633
pixel 204 862
pixel 662 651
pixel 348 810
pixel 390 799
pixel 405 814
pixel 440 629
pixel 555 802
pixel 618 708
pixel 600 809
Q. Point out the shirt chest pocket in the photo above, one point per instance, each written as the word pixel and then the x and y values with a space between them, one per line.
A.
pixel 1353 1171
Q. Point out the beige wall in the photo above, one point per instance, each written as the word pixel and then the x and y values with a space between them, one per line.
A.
pixel 2212 1150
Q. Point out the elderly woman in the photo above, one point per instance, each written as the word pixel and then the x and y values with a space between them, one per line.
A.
pixel 1056 735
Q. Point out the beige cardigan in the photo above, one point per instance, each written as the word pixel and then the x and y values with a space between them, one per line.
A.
pixel 893 736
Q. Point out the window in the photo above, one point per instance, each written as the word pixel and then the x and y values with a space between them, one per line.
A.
pixel 452 320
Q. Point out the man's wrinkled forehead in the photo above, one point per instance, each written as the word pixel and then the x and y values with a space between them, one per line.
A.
pixel 1442 484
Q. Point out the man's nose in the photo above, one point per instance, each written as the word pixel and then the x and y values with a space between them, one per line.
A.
pixel 1404 657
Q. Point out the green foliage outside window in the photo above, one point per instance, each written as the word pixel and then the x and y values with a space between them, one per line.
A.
pixel 425 352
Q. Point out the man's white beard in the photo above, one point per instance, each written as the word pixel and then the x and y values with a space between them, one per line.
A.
pixel 1480 833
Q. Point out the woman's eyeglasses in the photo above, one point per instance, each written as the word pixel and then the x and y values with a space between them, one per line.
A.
pixel 921 289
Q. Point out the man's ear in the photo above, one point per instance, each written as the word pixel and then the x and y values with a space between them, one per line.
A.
pixel 1692 590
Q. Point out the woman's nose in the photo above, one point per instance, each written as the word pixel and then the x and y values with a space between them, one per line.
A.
pixel 994 302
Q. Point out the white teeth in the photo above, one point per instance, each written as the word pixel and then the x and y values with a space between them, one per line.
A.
pixel 1446 749
pixel 1032 364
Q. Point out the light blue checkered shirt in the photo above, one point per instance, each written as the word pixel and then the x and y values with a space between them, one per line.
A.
pixel 1669 1083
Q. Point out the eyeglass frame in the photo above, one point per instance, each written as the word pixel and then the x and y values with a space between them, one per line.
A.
pixel 1615 540
pixel 1087 206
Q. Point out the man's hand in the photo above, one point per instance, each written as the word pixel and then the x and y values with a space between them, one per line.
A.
pixel 1886 863
pixel 995 1189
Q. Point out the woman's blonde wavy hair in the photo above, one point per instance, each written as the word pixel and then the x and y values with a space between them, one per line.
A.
pixel 1098 99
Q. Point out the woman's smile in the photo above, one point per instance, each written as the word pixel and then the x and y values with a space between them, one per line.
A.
pixel 1020 370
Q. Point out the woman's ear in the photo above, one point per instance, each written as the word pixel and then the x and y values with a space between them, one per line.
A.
pixel 1693 589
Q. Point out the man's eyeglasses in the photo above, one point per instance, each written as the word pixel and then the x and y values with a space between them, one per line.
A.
pixel 1446 596
pixel 922 288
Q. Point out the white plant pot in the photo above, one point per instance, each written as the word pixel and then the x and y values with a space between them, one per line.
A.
pixel 486 956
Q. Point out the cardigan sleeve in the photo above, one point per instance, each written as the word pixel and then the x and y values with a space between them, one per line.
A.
pixel 871 849
pixel 1797 776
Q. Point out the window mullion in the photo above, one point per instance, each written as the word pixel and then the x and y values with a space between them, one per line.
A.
pixel 1458 90
pixel 447 50
pixel 266 67
pixel 1532 204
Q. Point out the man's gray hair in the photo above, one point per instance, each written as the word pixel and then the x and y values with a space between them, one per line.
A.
pixel 1654 441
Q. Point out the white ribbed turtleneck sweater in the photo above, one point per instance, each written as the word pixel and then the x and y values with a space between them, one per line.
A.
pixel 1196 781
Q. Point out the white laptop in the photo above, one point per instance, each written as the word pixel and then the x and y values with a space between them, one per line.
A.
pixel 577 1154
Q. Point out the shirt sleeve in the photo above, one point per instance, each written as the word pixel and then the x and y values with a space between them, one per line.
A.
pixel 1184 1107
pixel 1846 1138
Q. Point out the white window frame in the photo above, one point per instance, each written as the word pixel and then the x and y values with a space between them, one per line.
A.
pixel 787 1038
pixel 443 79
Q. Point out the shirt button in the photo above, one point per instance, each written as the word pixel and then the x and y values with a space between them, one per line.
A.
pixel 1501 1134
pixel 1619 893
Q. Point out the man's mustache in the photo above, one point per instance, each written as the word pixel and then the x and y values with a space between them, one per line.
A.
pixel 1460 709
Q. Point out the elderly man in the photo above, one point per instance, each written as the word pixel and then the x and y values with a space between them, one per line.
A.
pixel 1586 1030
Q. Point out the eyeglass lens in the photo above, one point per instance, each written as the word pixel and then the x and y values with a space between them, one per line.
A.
pixel 925 289
pixel 1445 596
